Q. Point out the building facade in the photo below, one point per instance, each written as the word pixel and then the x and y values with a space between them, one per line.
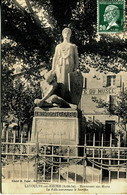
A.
pixel 105 87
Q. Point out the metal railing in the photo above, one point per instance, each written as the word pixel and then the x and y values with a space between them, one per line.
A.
pixel 63 163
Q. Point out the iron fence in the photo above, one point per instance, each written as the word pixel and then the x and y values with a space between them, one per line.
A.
pixel 63 163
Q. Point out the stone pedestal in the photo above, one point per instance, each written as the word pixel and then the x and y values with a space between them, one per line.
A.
pixel 55 126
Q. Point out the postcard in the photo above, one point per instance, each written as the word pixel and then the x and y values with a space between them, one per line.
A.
pixel 64 97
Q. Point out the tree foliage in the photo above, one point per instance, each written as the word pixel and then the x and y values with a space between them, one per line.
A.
pixel 119 108
pixel 30 34
pixel 36 28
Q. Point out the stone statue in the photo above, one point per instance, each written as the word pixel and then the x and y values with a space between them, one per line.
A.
pixel 65 60
pixel 51 93
pixel 55 88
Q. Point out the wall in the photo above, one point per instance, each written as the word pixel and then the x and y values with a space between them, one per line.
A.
pixel 102 86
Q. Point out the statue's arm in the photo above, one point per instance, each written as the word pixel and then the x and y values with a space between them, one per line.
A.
pixel 76 58
pixel 55 58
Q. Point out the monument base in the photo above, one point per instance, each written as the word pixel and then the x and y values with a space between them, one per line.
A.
pixel 55 126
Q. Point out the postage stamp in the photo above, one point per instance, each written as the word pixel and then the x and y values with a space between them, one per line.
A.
pixel 110 16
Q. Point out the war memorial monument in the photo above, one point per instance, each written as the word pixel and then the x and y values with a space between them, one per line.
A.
pixel 56 117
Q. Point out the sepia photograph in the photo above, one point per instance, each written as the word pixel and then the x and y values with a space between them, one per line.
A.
pixel 64 96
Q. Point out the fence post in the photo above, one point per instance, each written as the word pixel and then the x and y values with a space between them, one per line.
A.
pixel 93 155
pixel 68 153
pixel 60 157
pixel 44 163
pixel 118 156
pixel 21 149
pixel 84 161
pixel 21 157
pixel 28 152
pixel 52 152
pixel 36 159
pixel 14 140
pixel 101 156
pixel 110 157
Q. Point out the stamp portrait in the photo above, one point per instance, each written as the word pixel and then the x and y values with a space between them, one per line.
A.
pixel 110 16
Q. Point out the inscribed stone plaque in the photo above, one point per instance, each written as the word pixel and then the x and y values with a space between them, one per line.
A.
pixel 56 126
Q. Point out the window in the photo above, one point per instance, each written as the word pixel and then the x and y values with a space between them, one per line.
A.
pixel 111 80
pixel 109 128
pixel 112 99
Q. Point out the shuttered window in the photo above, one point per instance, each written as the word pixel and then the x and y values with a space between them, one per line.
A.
pixel 112 80
pixel 112 99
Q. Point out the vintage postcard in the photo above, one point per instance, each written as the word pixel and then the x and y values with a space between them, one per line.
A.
pixel 64 97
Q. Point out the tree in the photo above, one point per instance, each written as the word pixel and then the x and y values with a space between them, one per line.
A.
pixel 37 36
pixel 18 100
pixel 31 32
pixel 119 109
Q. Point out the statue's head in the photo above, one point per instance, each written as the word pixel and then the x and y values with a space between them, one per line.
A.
pixel 66 32
pixel 111 13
